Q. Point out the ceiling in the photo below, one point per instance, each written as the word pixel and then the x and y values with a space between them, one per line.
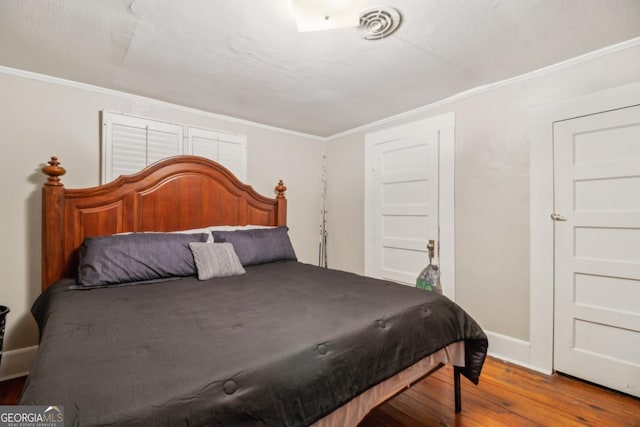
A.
pixel 246 59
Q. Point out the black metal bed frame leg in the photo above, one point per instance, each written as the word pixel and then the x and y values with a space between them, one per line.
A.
pixel 456 389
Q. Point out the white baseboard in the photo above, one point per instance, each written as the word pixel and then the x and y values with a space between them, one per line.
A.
pixel 17 363
pixel 510 349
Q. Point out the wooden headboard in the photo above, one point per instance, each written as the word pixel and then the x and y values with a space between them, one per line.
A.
pixel 177 193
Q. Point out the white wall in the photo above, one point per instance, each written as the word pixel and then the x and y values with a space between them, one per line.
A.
pixel 39 119
pixel 345 203
pixel 491 187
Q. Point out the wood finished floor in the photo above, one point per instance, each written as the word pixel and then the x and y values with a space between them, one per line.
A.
pixel 507 395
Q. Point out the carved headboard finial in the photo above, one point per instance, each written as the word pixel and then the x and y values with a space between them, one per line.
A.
pixel 280 189
pixel 54 171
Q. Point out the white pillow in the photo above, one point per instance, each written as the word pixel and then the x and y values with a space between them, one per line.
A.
pixel 197 230
pixel 209 229
pixel 204 230
pixel 235 228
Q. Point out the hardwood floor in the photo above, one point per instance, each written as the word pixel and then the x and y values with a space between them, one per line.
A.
pixel 10 391
pixel 507 395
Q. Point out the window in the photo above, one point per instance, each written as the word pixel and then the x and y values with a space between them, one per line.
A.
pixel 130 143
pixel 228 149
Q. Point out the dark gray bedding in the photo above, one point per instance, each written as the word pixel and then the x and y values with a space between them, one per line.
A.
pixel 282 345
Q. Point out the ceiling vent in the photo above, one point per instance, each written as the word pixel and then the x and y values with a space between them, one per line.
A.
pixel 379 22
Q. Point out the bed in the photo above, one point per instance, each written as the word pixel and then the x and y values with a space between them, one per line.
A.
pixel 274 342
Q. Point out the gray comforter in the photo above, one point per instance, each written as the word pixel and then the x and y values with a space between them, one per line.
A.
pixel 282 345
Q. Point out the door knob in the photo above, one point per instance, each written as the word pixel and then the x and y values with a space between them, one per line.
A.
pixel 557 217
pixel 431 247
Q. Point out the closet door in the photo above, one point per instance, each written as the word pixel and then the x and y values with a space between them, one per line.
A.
pixel 409 175
pixel 405 200
pixel 597 248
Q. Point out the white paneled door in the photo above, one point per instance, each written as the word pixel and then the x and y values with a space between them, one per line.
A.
pixel 597 248
pixel 405 196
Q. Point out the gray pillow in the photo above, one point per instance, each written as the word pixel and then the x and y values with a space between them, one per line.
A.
pixel 215 260
pixel 137 257
pixel 259 246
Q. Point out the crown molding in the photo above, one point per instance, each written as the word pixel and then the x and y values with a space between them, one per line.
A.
pixel 609 50
pixel 155 102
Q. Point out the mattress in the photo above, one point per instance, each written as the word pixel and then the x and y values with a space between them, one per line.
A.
pixel 284 344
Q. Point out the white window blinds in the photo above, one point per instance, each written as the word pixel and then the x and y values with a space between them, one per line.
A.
pixel 130 143
pixel 225 148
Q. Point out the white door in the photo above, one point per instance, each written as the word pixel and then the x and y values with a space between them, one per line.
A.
pixel 597 248
pixel 405 200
